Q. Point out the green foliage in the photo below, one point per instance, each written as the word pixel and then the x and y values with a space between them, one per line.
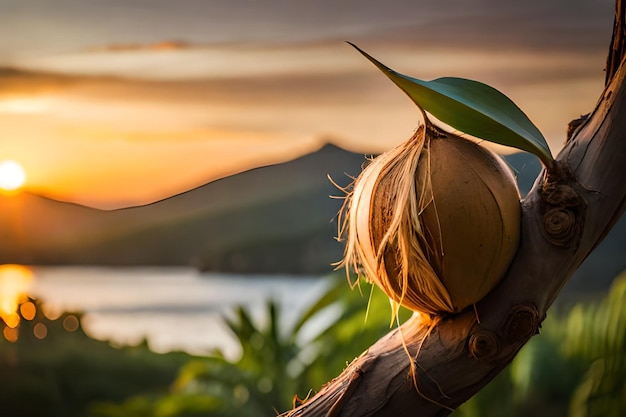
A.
pixel 276 363
pixel 63 372
pixel 473 108
pixel 597 333
pixel 575 368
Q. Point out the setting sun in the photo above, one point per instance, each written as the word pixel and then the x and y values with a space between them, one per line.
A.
pixel 12 175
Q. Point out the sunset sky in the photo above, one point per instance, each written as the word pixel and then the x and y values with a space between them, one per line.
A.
pixel 112 103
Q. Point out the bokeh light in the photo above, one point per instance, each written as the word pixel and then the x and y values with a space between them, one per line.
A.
pixel 28 310
pixel 40 331
pixel 70 323
pixel 51 312
pixel 10 334
pixel 12 320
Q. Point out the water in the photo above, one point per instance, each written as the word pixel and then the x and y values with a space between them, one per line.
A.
pixel 173 308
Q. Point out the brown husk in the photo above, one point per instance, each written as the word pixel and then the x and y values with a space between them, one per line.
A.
pixel 433 222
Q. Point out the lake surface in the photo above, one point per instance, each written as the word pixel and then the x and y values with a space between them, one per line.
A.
pixel 173 308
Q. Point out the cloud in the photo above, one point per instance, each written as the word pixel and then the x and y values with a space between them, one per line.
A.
pixel 237 107
pixel 20 81
pixel 168 45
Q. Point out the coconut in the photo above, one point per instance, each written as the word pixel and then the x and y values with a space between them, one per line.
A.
pixel 434 222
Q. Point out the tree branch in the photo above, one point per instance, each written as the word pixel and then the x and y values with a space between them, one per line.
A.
pixel 617 49
pixel 564 217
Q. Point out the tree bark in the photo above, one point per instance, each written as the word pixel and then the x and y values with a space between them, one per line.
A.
pixel 617 49
pixel 564 217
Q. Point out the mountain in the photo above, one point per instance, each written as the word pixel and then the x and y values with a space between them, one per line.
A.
pixel 32 225
pixel 277 218
pixel 273 219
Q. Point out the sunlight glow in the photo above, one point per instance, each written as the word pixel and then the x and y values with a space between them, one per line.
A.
pixel 12 175
pixel 25 105
pixel 15 280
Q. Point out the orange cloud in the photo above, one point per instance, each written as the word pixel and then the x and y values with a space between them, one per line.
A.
pixel 104 137
pixel 167 45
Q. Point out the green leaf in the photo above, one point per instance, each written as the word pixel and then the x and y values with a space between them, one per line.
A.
pixel 473 108
pixel 335 292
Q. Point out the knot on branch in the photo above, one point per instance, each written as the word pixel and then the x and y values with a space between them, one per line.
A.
pixel 562 211
pixel 522 323
pixel 559 226
pixel 483 345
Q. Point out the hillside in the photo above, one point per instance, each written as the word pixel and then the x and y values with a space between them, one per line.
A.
pixel 278 218
pixel 273 219
pixel 30 225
